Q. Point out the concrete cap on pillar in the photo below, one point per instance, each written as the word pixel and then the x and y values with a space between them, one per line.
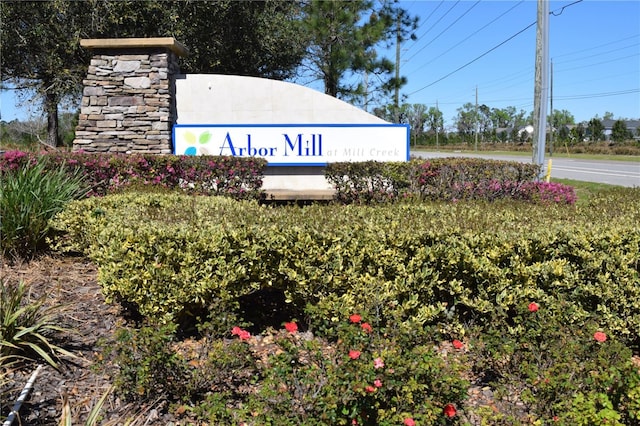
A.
pixel 136 43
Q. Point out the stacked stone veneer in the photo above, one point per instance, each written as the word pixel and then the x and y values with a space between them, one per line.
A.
pixel 128 102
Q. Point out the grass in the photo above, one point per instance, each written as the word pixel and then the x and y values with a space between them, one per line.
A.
pixel 585 190
pixel 581 156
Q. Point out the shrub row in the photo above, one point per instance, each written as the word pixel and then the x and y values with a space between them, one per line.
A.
pixel 107 173
pixel 449 179
pixel 447 264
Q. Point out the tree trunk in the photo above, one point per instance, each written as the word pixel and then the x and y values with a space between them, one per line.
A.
pixel 51 108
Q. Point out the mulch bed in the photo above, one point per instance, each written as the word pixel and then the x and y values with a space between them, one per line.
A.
pixel 72 283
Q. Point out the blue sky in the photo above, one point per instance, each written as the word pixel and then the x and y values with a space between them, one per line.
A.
pixel 594 47
pixel 461 45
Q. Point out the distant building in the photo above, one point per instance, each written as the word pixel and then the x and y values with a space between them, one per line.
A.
pixel 632 127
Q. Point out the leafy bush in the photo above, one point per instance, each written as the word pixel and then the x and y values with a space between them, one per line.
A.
pixel 168 257
pixel 561 371
pixel 450 179
pixel 417 273
pixel 30 195
pixel 362 375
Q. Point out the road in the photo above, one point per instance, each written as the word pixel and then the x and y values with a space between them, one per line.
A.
pixel 621 173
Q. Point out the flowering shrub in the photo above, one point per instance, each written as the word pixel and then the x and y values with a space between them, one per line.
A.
pixel 362 378
pixel 561 372
pixel 450 179
pixel 240 178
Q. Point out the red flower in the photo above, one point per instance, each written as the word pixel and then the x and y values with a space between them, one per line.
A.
pixel 242 334
pixel 355 318
pixel 450 410
pixel 370 389
pixel 599 336
pixel 366 327
pixel 291 327
pixel 354 354
pixel 533 307
pixel 457 344
pixel 409 422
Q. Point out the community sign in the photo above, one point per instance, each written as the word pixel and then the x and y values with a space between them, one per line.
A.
pixel 296 144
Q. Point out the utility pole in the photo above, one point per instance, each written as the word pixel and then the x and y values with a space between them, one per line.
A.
pixel 541 83
pixel 476 118
pixel 437 126
pixel 553 118
pixel 396 97
pixel 366 90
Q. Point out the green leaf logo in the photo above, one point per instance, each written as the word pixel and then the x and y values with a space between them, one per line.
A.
pixel 205 137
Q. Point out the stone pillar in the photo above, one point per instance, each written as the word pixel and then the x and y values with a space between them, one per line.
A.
pixel 128 100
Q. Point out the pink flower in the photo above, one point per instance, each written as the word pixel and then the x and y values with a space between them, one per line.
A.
pixel 355 318
pixel 377 383
pixel 366 327
pixel 449 410
pixel 291 327
pixel 236 331
pixel 378 363
pixel 599 336
pixel 354 354
pixel 533 307
pixel 409 422
pixel 370 389
pixel 457 344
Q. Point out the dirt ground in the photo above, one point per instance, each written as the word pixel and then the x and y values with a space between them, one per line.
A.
pixel 72 282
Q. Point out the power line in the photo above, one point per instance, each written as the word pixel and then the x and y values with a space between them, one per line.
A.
pixel 597 95
pixel 491 50
pixel 427 19
pixel 437 22
pixel 444 31
pixel 608 61
pixel 635 37
pixel 471 35
pixel 474 60
pixel 553 12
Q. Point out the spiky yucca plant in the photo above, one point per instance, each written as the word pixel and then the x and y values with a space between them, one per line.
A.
pixel 26 328
pixel 29 197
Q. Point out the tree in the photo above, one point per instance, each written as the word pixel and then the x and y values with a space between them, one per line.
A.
pixel 253 38
pixel 578 133
pixel 435 120
pixel 561 118
pixel 466 121
pixel 45 54
pixel 619 132
pixel 344 36
pixel 595 129
pixel 247 38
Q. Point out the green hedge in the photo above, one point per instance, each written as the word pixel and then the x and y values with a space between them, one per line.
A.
pixel 446 264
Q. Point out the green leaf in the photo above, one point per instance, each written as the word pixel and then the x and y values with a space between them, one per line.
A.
pixel 205 137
